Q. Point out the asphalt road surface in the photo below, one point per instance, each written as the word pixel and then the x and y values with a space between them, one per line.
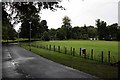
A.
pixel 20 63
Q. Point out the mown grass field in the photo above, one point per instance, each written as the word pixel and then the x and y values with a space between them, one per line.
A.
pixel 97 46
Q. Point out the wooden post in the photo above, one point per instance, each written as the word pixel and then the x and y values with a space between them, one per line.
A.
pixel 58 48
pixel 38 46
pixel 92 54
pixel 73 51
pixel 84 53
pixel 54 48
pixel 80 51
pixel 108 56
pixel 102 57
pixel 49 47
pixel 65 50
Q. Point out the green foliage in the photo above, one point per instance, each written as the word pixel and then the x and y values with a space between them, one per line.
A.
pixel 76 32
pixel 67 27
pixel 92 32
pixel 61 34
pixel 52 33
pixel 85 36
pixel 106 32
pixel 45 36
pixel 118 33
pixel 26 12
pixel 112 31
pixel 102 29
pixel 8 32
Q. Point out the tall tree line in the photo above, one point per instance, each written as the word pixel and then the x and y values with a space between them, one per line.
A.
pixel 26 12
pixel 102 31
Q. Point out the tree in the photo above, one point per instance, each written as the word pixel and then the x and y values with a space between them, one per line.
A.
pixel 67 27
pixel 8 32
pixel 112 31
pixel 92 32
pixel 61 34
pixel 29 12
pixel 52 33
pixel 76 32
pixel 118 33
pixel 41 28
pixel 45 36
pixel 102 29
pixel 85 36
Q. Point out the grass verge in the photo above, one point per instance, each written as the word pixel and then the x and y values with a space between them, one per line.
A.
pixel 89 66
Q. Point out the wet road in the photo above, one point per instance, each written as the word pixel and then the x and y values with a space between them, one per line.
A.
pixel 20 63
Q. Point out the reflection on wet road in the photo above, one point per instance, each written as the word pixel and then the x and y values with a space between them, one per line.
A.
pixel 10 69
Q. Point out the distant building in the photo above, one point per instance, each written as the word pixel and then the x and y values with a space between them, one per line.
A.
pixel 93 39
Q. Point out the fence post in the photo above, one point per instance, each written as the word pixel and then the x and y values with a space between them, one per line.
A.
pixel 84 53
pixel 54 48
pixel 38 46
pixel 102 57
pixel 80 51
pixel 49 47
pixel 73 51
pixel 65 50
pixel 58 48
pixel 92 54
pixel 108 56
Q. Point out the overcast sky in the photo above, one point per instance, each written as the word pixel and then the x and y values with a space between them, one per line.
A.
pixel 83 12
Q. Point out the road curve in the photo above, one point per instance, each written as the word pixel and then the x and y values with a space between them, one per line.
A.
pixel 20 63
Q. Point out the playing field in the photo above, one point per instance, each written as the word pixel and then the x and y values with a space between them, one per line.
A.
pixel 93 67
pixel 97 46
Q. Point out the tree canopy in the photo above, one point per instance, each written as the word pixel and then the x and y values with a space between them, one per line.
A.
pixel 67 27
pixel 26 12
pixel 8 32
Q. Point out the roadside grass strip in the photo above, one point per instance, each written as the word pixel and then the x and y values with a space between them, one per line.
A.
pixel 86 65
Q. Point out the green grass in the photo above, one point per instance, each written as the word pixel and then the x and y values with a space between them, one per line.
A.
pixel 89 66
pixel 97 46
pixel 20 39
